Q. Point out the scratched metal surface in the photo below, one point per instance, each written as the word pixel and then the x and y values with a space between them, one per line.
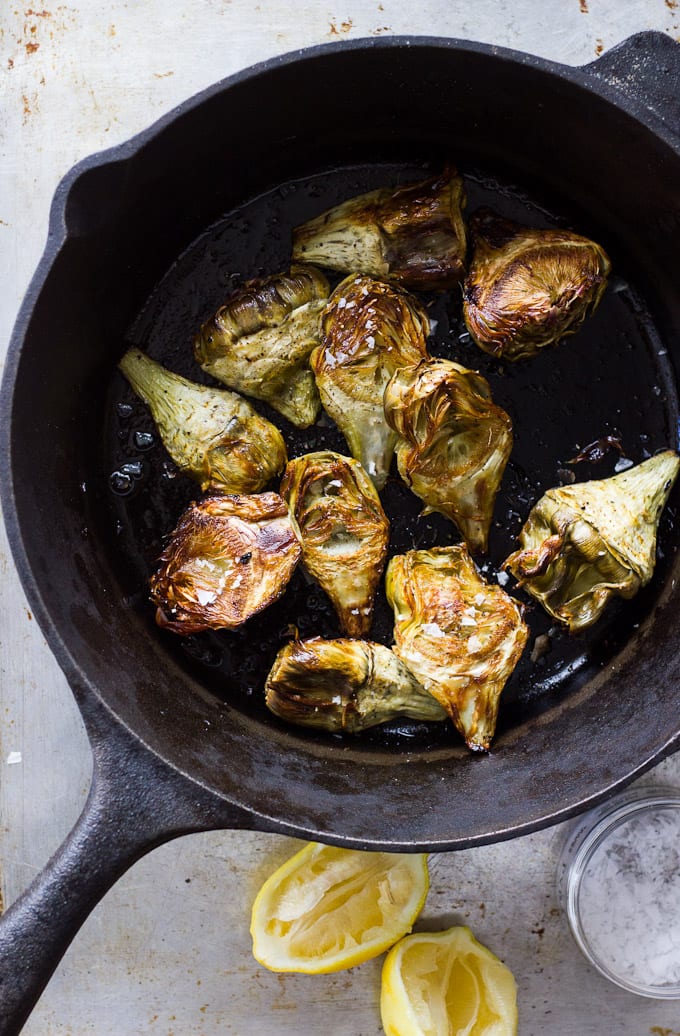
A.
pixel 167 952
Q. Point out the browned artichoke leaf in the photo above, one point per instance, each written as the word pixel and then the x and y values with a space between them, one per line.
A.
pixel 337 514
pixel 413 235
pixel 213 435
pixel 526 287
pixel 228 558
pixel 259 341
pixel 460 637
pixel 584 544
pixel 345 685
pixel 368 330
pixel 454 442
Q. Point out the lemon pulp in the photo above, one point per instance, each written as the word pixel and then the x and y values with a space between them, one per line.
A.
pixel 328 908
pixel 447 984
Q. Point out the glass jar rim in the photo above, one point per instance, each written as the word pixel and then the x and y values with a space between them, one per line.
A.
pixel 593 833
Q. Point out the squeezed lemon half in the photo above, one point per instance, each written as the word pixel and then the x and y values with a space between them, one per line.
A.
pixel 326 908
pixel 446 984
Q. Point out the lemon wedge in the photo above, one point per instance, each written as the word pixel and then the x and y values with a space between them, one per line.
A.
pixel 326 908
pixel 446 982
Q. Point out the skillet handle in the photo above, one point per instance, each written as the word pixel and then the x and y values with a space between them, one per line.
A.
pixel 646 67
pixel 136 803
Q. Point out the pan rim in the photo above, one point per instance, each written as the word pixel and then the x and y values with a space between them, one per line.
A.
pixel 57 235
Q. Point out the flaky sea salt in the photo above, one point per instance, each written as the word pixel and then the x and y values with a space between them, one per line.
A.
pixel 629 898
pixel 433 629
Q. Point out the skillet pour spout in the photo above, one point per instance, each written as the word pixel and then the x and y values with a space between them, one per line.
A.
pixel 180 747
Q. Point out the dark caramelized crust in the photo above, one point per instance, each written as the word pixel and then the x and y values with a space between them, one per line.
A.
pixel 228 558
pixel 528 287
pixel 257 305
pixel 343 529
pixel 412 235
pixel 454 442
pixel 460 636
pixel 368 330
pixel 425 234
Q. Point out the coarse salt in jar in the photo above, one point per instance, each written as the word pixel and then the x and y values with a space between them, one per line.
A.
pixel 620 884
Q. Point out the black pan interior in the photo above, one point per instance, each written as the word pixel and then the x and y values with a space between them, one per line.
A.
pixel 612 379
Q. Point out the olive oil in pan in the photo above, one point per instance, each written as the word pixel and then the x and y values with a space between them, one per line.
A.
pixel 611 379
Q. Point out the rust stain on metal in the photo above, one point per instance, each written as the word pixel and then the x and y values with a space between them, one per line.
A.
pixel 33 29
pixel 283 1001
pixel 583 4
pixel 599 47
pixel 10 64
pixel 343 27
pixel 671 4
pixel 61 20
pixel 30 106
pixel 381 29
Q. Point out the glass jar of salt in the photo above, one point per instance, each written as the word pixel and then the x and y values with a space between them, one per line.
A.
pixel 620 884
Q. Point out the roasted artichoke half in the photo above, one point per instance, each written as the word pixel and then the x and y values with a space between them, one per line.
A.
pixel 460 637
pixel 213 435
pixel 345 685
pixel 584 544
pixel 527 288
pixel 454 442
pixel 259 341
pixel 413 235
pixel 228 558
pixel 368 330
pixel 337 515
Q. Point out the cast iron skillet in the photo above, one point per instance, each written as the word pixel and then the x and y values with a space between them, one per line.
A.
pixel 180 739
